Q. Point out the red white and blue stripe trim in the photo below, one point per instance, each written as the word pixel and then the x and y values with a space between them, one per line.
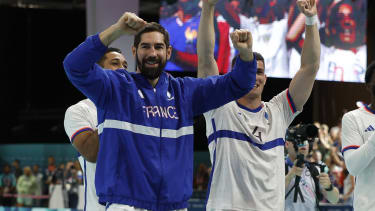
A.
pixel 367 108
pixel 80 131
pixel 290 102
pixel 349 147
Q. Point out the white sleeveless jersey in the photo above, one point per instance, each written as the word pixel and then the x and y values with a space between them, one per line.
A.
pixel 78 118
pixel 247 153
pixel 357 127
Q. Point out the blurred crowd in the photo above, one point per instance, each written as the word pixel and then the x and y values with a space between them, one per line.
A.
pixel 31 186
pixel 326 149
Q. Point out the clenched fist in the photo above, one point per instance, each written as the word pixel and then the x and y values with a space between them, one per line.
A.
pixel 130 23
pixel 243 42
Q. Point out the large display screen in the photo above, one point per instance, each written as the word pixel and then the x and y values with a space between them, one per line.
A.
pixel 278 29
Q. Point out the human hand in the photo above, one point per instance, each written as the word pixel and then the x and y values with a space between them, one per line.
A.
pixel 130 23
pixel 307 7
pixel 243 41
pixel 324 180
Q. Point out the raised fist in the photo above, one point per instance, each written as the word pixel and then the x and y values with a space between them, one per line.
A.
pixel 130 23
pixel 242 41
pixel 307 7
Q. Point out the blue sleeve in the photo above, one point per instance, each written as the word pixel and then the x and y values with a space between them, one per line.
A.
pixel 87 76
pixel 215 91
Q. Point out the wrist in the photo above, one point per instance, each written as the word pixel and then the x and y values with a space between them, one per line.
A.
pixel 309 21
pixel 247 56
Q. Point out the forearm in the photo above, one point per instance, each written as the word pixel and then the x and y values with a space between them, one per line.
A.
pixel 301 86
pixel 206 42
pixel 81 60
pixel 215 91
pixel 111 34
pixel 310 57
pixel 357 160
pixel 88 146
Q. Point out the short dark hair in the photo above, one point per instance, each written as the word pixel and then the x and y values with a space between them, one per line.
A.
pixel 258 57
pixel 109 49
pixel 369 72
pixel 151 27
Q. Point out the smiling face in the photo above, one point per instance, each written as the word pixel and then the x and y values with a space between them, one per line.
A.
pixel 260 81
pixel 152 54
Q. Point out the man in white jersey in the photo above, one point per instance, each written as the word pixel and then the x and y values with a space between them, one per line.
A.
pixel 246 137
pixel 358 147
pixel 80 125
pixel 313 184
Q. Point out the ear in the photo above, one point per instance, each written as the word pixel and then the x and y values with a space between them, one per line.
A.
pixel 169 52
pixel 265 79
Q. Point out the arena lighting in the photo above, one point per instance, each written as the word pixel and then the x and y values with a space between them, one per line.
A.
pixel 360 104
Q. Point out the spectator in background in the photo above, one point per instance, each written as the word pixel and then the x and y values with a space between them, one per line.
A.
pixel 26 186
pixel 39 184
pixel 347 182
pixel 49 173
pixel 201 179
pixel 16 168
pixel 7 186
pixel 71 184
pixel 58 177
pixel 77 165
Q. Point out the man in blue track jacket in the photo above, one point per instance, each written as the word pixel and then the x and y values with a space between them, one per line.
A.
pixel 145 158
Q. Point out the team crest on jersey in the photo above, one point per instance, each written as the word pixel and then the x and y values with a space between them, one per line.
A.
pixel 169 96
pixel 370 128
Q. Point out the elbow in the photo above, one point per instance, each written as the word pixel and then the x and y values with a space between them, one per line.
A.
pixel 91 157
pixel 311 68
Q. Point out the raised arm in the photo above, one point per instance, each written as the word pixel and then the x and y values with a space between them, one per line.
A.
pixel 206 41
pixel 80 64
pixel 301 85
pixel 215 91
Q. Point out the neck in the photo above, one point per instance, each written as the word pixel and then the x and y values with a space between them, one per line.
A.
pixel 153 82
pixel 250 102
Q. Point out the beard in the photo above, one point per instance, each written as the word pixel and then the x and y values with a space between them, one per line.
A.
pixel 151 73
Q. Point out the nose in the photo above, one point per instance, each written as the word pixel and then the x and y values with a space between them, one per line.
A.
pixel 152 52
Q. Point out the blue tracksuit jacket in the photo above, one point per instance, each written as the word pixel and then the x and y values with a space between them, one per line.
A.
pixel 145 156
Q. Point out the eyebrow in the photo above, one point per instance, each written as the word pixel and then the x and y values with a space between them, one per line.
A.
pixel 156 44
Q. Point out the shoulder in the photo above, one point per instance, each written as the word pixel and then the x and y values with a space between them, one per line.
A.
pixel 351 115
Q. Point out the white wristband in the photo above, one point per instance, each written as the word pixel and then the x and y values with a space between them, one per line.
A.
pixel 311 20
